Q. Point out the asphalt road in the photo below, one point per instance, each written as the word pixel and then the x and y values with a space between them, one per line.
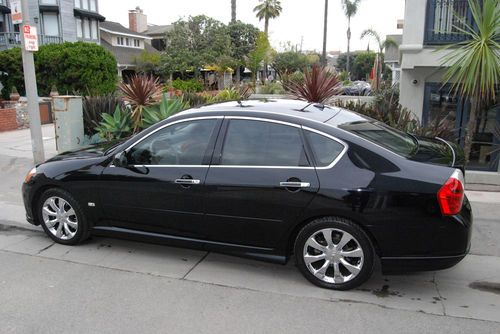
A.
pixel 112 285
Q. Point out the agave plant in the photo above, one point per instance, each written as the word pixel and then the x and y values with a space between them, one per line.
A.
pixel 94 107
pixel 319 85
pixel 140 92
pixel 115 126
pixel 166 108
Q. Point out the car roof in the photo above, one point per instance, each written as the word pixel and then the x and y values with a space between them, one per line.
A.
pixel 286 107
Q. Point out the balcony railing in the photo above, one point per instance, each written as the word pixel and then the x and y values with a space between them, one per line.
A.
pixel 12 39
pixel 445 18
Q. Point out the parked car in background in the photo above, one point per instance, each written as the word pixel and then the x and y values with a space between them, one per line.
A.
pixel 357 88
pixel 268 180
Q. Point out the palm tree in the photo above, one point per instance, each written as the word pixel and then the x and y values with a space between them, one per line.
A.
pixel 382 45
pixel 233 11
pixel 325 32
pixel 350 9
pixel 473 68
pixel 266 10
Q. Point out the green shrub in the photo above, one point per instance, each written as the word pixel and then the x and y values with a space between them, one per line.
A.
pixel 272 88
pixel 74 68
pixel 11 72
pixel 194 99
pixel 189 86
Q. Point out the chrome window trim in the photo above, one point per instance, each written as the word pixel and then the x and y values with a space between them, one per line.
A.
pixel 341 142
pixel 260 119
pixel 172 166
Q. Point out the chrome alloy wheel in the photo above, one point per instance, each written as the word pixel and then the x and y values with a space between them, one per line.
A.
pixel 333 255
pixel 59 218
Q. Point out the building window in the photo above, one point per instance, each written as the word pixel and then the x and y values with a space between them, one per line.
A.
pixel 137 43
pixel 79 32
pixel 77 4
pixel 86 29
pixel 93 5
pixel 85 4
pixel 127 41
pixel 49 2
pixel 119 40
pixel 94 29
pixel 50 24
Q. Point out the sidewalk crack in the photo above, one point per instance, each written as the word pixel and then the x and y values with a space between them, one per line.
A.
pixel 441 299
pixel 197 263
pixel 45 248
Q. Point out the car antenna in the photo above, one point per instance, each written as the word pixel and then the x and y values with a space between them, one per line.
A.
pixel 307 106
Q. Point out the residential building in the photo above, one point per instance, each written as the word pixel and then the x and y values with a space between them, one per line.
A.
pixel 428 25
pixel 126 45
pixel 57 21
pixel 138 22
pixel 392 58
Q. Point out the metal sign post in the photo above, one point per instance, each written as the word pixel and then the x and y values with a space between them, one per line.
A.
pixel 29 42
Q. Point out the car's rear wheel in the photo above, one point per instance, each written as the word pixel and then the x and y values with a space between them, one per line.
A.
pixel 334 253
pixel 62 217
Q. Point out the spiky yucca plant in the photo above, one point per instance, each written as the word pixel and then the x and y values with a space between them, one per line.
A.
pixel 140 92
pixel 474 70
pixel 319 85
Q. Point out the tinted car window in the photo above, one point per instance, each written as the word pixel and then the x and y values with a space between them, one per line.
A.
pixel 183 143
pixel 325 149
pixel 259 143
pixel 383 135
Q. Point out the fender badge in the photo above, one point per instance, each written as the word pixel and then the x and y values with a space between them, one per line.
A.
pixel 91 204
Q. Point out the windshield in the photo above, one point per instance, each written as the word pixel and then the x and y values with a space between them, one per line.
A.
pixel 383 135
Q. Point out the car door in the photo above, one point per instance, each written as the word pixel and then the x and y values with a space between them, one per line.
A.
pixel 260 181
pixel 162 188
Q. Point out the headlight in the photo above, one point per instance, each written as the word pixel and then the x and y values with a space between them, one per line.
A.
pixel 30 175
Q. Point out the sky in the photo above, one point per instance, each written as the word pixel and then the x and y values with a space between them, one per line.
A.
pixel 300 20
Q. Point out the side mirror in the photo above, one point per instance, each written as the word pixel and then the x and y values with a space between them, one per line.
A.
pixel 120 159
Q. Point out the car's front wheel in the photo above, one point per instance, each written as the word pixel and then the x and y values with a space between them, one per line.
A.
pixel 62 217
pixel 334 253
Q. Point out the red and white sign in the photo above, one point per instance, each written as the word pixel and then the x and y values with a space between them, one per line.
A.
pixel 16 11
pixel 30 38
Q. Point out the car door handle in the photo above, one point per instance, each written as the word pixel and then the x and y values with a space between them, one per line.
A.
pixel 289 184
pixel 187 181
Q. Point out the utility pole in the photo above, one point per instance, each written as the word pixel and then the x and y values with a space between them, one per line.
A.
pixel 325 31
pixel 31 91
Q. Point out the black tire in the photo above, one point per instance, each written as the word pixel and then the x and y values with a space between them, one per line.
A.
pixel 83 228
pixel 340 225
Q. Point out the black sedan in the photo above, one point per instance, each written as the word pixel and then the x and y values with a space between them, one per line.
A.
pixel 267 180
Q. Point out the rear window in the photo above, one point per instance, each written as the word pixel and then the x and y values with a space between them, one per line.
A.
pixel 385 136
pixel 325 149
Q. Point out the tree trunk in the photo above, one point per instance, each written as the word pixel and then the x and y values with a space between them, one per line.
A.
pixel 348 67
pixel 266 31
pixel 238 76
pixel 471 128
pixel 325 32
pixel 233 11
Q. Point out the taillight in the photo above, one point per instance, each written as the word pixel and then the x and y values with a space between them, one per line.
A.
pixel 451 194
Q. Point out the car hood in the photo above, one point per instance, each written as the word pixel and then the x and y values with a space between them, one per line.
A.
pixel 439 151
pixel 92 151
